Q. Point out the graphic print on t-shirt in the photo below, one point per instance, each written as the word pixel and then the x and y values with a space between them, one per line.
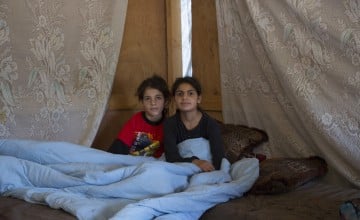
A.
pixel 144 145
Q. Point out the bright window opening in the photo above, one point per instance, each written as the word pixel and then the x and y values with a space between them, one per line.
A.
pixel 186 27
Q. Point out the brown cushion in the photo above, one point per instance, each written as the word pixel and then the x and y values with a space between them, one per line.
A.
pixel 240 139
pixel 285 174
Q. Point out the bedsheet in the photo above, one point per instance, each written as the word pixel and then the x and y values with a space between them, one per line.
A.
pixel 94 184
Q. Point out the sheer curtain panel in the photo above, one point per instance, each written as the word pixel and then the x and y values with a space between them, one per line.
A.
pixel 57 64
pixel 292 68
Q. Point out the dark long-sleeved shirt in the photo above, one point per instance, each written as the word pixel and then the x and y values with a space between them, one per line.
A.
pixel 175 132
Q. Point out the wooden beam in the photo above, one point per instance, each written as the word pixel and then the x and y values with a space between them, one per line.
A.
pixel 174 47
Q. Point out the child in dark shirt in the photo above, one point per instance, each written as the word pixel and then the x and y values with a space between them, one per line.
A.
pixel 191 135
pixel 143 134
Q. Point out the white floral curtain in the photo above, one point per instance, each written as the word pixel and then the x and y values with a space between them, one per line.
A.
pixel 57 64
pixel 292 68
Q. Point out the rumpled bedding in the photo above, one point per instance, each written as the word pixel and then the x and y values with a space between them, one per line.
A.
pixel 94 185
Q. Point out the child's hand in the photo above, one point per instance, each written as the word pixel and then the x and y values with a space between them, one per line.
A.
pixel 204 165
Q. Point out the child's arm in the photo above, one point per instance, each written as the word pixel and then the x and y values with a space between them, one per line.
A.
pixel 216 143
pixel 118 147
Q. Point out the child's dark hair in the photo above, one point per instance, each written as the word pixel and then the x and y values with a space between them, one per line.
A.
pixel 187 79
pixel 154 82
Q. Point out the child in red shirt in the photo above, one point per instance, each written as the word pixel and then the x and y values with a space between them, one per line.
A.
pixel 143 134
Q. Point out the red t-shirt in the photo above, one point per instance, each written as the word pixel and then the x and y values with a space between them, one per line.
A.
pixel 138 123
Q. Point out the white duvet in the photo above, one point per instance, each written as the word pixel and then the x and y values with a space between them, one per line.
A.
pixel 92 184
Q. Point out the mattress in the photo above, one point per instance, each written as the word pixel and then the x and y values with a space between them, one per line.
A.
pixel 314 200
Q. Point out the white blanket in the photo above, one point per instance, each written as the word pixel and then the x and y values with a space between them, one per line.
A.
pixel 94 185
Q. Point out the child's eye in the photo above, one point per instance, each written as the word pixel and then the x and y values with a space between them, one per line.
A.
pixel 159 98
pixel 179 93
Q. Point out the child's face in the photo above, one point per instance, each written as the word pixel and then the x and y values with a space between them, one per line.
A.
pixel 153 103
pixel 186 97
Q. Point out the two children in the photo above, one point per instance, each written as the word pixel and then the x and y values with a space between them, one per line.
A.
pixel 190 135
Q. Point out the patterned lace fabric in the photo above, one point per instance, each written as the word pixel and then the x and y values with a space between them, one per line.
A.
pixel 57 65
pixel 291 68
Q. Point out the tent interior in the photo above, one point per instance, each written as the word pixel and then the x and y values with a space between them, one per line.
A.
pixel 69 71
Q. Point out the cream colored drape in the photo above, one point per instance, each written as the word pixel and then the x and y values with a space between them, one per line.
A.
pixel 292 68
pixel 57 64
